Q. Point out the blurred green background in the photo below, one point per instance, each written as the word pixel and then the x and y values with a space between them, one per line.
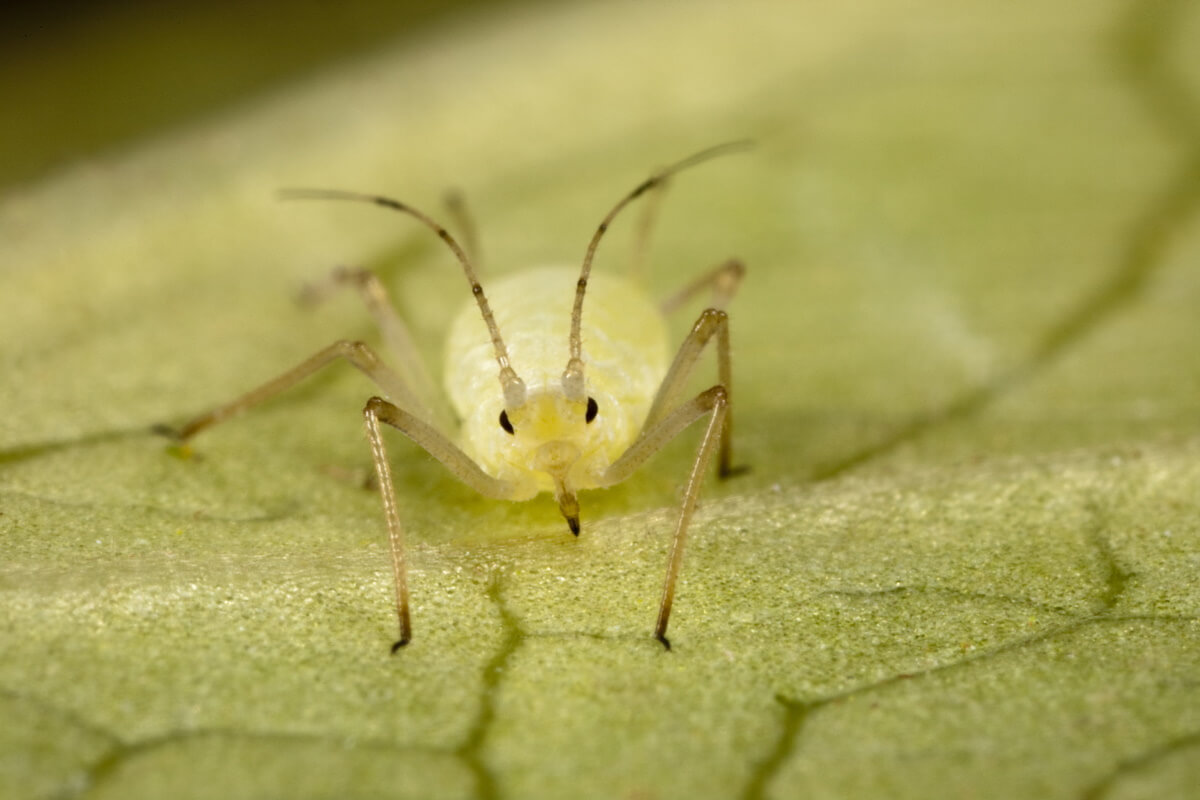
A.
pixel 79 78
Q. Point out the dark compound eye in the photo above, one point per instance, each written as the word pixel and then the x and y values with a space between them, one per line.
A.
pixel 504 423
pixel 592 410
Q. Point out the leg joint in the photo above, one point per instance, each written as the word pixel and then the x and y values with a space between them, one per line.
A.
pixel 710 320
pixel 355 350
pixel 374 406
pixel 715 396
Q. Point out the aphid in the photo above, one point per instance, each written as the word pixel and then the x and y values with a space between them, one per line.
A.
pixel 549 401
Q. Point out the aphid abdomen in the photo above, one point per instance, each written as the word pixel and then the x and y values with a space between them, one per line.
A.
pixel 624 347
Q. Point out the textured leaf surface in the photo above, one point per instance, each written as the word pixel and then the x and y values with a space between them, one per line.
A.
pixel 966 378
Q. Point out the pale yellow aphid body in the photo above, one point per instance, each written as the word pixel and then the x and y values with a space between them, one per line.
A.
pixel 624 347
pixel 550 395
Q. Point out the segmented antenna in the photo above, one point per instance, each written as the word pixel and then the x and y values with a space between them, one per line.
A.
pixel 513 386
pixel 572 379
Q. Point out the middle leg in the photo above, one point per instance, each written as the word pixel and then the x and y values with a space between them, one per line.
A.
pixel 723 281
pixel 357 353
pixel 711 322
pixel 423 396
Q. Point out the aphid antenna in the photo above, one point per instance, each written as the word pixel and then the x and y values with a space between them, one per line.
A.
pixel 572 379
pixel 510 382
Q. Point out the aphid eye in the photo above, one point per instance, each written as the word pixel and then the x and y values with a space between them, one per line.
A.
pixel 504 423
pixel 592 410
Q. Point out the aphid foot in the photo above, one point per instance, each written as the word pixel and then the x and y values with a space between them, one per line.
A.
pixel 733 472
pixel 663 640
pixel 178 446
pixel 396 647
pixel 163 429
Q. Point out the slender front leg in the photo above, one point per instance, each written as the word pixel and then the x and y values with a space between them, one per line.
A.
pixel 716 429
pixel 377 410
pixel 437 445
pixel 395 533
pixel 661 426
pixel 715 402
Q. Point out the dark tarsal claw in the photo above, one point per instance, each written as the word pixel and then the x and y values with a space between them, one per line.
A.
pixel 733 472
pixel 163 429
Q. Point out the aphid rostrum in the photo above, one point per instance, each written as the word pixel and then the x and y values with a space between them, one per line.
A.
pixel 552 397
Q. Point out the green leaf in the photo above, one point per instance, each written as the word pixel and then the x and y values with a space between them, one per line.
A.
pixel 966 377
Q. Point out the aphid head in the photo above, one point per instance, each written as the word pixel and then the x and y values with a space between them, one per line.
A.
pixel 554 436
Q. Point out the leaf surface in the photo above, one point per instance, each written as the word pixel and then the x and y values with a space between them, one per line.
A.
pixel 966 378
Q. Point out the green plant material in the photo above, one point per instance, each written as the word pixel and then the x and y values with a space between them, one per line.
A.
pixel 966 377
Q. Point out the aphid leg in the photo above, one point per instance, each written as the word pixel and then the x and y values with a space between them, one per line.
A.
pixel 573 377
pixel 645 226
pixel 723 281
pixel 409 365
pixel 711 322
pixel 714 401
pixel 357 353
pixel 377 410
pixel 437 445
pixel 665 421
pixel 510 382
